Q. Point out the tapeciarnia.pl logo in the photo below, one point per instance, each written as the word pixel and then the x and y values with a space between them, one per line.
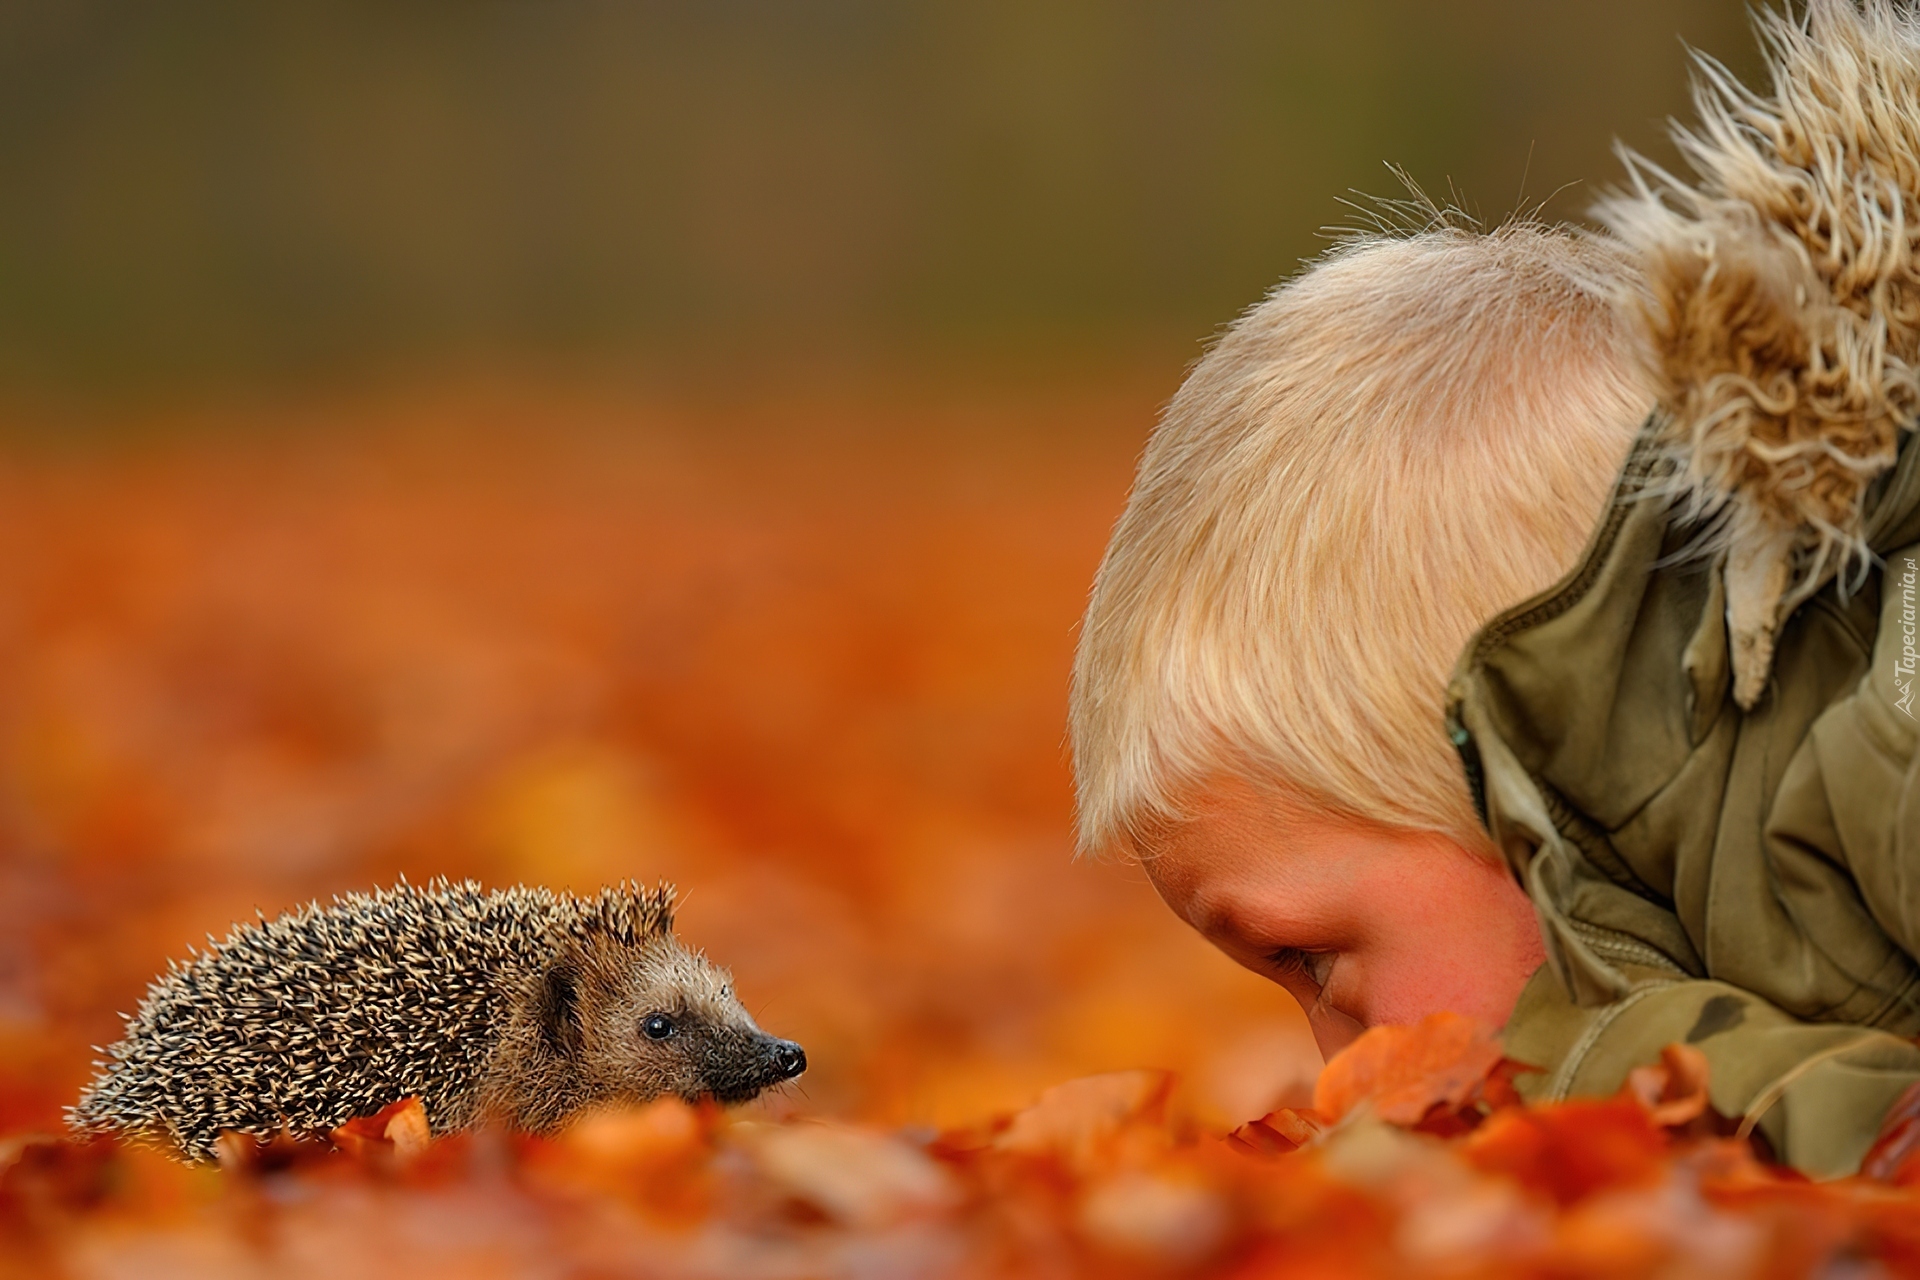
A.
pixel 1909 659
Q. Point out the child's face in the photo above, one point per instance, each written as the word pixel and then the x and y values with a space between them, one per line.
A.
pixel 1363 925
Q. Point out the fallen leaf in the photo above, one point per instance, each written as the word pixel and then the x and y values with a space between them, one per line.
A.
pixel 1168 1221
pixel 1895 1154
pixel 398 1132
pixel 1279 1132
pixel 863 1179
pixel 1573 1150
pixel 664 1131
pixel 1404 1072
pixel 1498 1089
pixel 1076 1120
pixel 39 1173
pixel 407 1129
pixel 250 1156
pixel 1673 1090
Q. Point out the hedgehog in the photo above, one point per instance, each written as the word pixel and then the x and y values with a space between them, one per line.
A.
pixel 518 1007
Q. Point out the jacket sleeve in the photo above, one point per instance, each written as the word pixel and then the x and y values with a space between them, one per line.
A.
pixel 1817 1091
pixel 1853 797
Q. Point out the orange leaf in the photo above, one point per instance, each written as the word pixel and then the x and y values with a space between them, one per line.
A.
pixel 1405 1072
pixel 1079 1119
pixel 853 1176
pixel 1498 1090
pixel 243 1153
pixel 1673 1090
pixel 399 1131
pixel 1571 1150
pixel 1279 1132
pixel 1895 1154
pixel 61 1172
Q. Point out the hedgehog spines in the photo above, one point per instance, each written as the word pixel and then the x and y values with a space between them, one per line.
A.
pixel 304 1020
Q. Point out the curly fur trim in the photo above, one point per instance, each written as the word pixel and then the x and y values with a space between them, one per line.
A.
pixel 1782 301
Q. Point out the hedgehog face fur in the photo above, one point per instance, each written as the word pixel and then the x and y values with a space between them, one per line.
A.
pixel 608 1022
pixel 519 1007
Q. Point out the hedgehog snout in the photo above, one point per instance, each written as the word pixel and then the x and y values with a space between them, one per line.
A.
pixel 752 1064
pixel 773 1061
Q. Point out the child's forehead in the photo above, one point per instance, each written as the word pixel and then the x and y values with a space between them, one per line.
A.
pixel 1242 853
pixel 1227 845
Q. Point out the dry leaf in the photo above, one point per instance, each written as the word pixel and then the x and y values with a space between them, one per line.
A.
pixel 398 1132
pixel 1279 1132
pixel 1404 1073
pixel 1895 1154
pixel 1572 1150
pixel 246 1155
pixel 863 1179
pixel 1167 1221
pixel 1674 1090
pixel 1077 1120
pixel 666 1131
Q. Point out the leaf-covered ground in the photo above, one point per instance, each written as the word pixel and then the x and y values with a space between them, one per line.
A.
pixel 1097 1177
pixel 807 658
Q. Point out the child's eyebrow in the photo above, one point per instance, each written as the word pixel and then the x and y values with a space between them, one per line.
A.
pixel 1220 916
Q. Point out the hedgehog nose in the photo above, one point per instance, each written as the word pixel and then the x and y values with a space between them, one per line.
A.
pixel 789 1059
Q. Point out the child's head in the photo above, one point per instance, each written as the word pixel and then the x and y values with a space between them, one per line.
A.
pixel 1407 438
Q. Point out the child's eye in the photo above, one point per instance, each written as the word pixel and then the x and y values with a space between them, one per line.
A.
pixel 1311 966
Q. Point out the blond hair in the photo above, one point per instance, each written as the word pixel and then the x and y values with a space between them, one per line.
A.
pixel 1409 436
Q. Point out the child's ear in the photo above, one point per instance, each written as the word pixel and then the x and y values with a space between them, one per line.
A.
pixel 557 1008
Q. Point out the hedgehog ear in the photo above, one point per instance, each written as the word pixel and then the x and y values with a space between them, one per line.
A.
pixel 557 1008
pixel 632 915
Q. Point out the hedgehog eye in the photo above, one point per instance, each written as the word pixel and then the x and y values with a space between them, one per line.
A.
pixel 656 1026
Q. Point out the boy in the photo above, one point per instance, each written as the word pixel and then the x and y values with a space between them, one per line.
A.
pixel 1692 752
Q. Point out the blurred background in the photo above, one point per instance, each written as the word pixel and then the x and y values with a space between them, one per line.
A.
pixel 571 440
pixel 218 190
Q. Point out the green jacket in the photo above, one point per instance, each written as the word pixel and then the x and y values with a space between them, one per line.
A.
pixel 1701 763
pixel 1746 882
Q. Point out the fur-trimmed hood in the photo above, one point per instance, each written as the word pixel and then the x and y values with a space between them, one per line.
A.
pixel 1781 303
